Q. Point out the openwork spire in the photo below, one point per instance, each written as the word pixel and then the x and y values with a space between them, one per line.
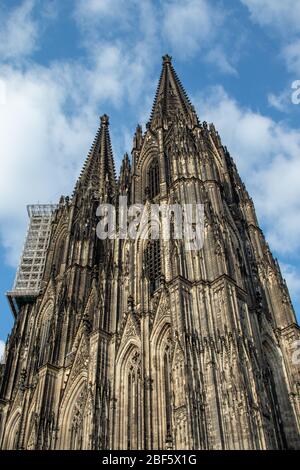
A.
pixel 107 166
pixel 98 171
pixel 171 99
pixel 125 177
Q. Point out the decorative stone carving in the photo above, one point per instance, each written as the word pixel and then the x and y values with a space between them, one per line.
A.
pixel 198 358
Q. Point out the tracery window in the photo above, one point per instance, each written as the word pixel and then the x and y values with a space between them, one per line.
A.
pixel 15 440
pixel 134 392
pixel 167 391
pixel 275 409
pixel 44 345
pixel 153 264
pixel 76 433
pixel 14 437
pixel 153 178
pixel 60 255
pixel 76 428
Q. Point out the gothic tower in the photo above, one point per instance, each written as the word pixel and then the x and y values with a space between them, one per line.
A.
pixel 140 343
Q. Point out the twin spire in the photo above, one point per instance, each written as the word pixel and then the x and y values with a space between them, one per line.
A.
pixel 107 165
pixel 170 101
pixel 98 171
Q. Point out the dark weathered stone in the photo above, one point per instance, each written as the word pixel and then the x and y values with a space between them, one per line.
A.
pixel 199 356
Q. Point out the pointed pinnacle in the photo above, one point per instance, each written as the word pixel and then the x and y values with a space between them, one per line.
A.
pixel 170 98
pixel 167 59
pixel 104 120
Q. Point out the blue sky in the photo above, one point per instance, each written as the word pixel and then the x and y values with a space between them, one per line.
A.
pixel 63 64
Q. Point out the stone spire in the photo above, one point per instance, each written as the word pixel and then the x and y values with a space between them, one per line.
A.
pixel 216 318
pixel 171 99
pixel 98 171
pixel 107 166
pixel 125 175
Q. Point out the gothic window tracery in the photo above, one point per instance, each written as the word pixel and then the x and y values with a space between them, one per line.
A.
pixel 76 432
pixel 153 264
pixel 133 431
pixel 153 178
pixel 60 255
pixel 76 428
pixel 12 439
pixel 167 391
pixel 44 344
pixel 274 408
pixel 165 388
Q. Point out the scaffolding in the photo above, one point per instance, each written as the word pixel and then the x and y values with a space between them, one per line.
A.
pixel 32 262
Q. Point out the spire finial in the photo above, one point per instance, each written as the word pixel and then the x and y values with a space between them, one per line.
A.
pixel 167 59
pixel 104 119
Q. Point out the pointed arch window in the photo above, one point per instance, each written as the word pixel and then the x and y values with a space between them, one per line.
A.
pixel 129 422
pixel 153 178
pixel 77 421
pixel 44 345
pixel 60 255
pixel 134 391
pixel 76 434
pixel 12 434
pixel 165 389
pixel 167 392
pixel 15 440
pixel 275 409
pixel 153 264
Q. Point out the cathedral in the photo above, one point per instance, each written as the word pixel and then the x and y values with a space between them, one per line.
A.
pixel 139 343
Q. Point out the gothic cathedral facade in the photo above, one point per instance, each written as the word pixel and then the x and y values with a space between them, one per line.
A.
pixel 140 344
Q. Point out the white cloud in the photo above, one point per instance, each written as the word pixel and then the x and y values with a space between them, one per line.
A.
pixel 189 25
pixel 39 158
pixel 102 8
pixel 117 74
pixel 194 25
pixel 184 26
pixel 268 156
pixel 43 144
pixel 282 15
pixel 2 348
pixel 121 61
pixel 217 56
pixel 94 16
pixel 19 32
pixel 292 277
pixel 291 54
pixel 281 101
pixel 48 115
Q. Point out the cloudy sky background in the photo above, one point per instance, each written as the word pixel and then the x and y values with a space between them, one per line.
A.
pixel 63 64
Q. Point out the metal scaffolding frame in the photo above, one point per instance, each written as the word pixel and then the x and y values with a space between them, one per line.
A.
pixel 32 262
